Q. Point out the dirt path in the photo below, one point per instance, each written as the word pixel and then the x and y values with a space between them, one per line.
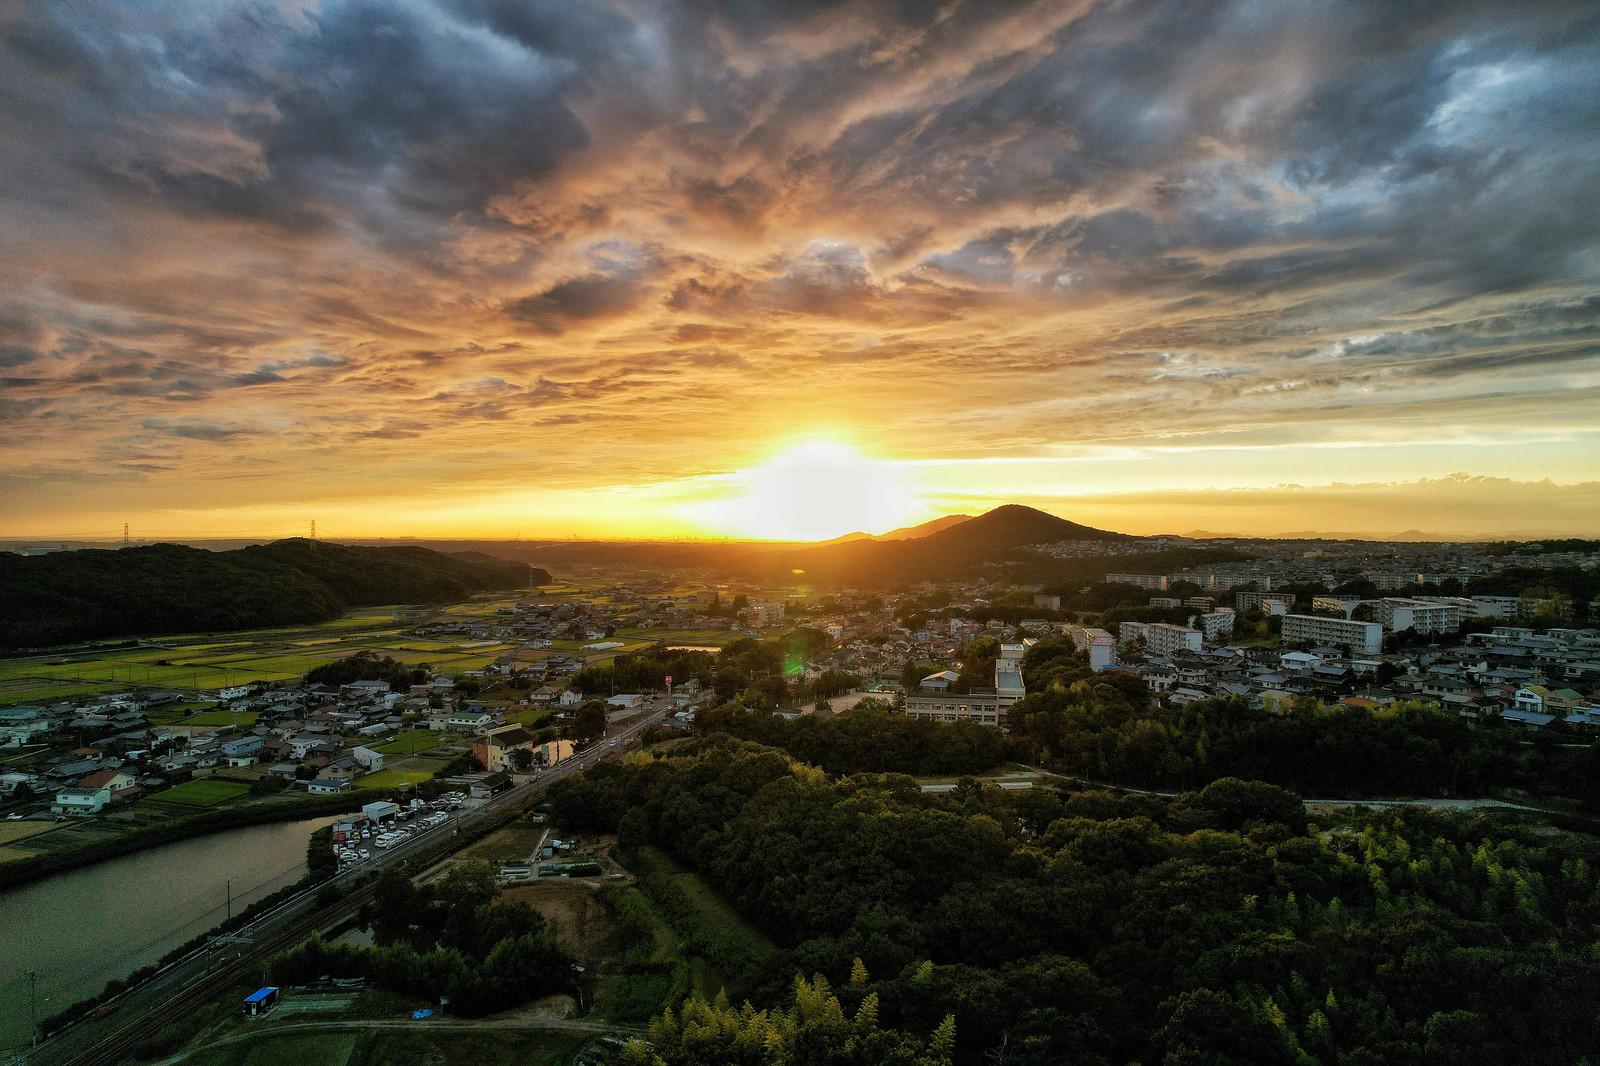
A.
pixel 426 1023
pixel 1443 804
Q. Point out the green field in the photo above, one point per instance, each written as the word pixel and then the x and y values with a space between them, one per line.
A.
pixel 391 778
pixel 11 832
pixel 203 663
pixel 417 765
pixel 202 793
pixel 410 743
pixel 243 718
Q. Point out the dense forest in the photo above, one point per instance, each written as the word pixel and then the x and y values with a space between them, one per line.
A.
pixel 1057 927
pixel 69 596
pixel 869 740
pixel 448 938
pixel 814 1030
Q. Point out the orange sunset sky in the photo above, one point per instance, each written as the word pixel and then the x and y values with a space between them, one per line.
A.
pixel 538 269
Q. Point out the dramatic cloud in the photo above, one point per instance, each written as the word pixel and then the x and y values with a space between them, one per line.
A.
pixel 257 256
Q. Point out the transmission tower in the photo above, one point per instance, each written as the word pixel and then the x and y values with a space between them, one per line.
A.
pixel 313 534
pixel 125 534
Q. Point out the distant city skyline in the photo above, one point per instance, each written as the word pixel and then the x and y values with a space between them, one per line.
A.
pixel 471 268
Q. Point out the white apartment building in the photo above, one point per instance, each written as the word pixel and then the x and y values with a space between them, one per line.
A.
pixel 1365 637
pixel 1217 624
pixel 1388 581
pixel 1246 600
pixel 763 614
pixel 1161 638
pixel 1335 603
pixel 1423 616
pixel 1101 646
pixel 1144 581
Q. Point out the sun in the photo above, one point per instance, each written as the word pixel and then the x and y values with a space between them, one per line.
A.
pixel 818 491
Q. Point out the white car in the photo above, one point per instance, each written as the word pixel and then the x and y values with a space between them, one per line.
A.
pixel 365 854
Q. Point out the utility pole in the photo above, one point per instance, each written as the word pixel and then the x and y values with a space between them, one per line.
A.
pixel 230 898
pixel 33 1025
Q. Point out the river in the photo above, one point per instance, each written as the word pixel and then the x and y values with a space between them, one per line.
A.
pixel 85 927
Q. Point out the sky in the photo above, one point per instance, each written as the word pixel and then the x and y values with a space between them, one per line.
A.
pixel 553 268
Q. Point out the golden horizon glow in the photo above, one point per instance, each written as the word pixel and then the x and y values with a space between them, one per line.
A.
pixel 615 270
pixel 813 491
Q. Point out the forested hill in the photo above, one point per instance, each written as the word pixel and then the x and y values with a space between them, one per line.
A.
pixel 958 549
pixel 64 597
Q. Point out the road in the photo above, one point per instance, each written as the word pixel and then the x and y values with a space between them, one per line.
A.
pixel 170 990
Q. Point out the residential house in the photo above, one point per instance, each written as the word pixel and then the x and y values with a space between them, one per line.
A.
pixel 119 783
pixel 242 752
pixel 340 768
pixel 79 802
pixel 369 760
pixel 493 750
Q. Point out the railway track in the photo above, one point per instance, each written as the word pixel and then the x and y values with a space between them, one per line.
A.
pixel 119 1045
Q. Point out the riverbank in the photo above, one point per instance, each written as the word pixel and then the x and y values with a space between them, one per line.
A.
pixel 20 872
pixel 109 921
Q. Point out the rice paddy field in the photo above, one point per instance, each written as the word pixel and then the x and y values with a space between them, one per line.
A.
pixel 200 664
pixel 411 742
pixel 204 663
pixel 205 792
pixel 385 779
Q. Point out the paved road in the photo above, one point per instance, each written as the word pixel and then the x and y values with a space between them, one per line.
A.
pixel 182 975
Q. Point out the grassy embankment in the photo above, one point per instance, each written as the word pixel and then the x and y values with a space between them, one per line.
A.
pixel 681 937
pixel 58 860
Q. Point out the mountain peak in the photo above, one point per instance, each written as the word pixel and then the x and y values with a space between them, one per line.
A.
pixel 1012 525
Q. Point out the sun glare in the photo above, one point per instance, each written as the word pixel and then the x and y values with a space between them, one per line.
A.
pixel 819 491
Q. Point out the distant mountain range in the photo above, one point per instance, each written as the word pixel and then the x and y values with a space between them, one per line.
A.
pixel 89 594
pixel 71 596
pixel 1410 536
pixel 904 532
pixel 945 547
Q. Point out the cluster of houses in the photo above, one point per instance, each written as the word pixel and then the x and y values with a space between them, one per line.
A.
pixel 1512 673
pixel 321 737
pixel 535 627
